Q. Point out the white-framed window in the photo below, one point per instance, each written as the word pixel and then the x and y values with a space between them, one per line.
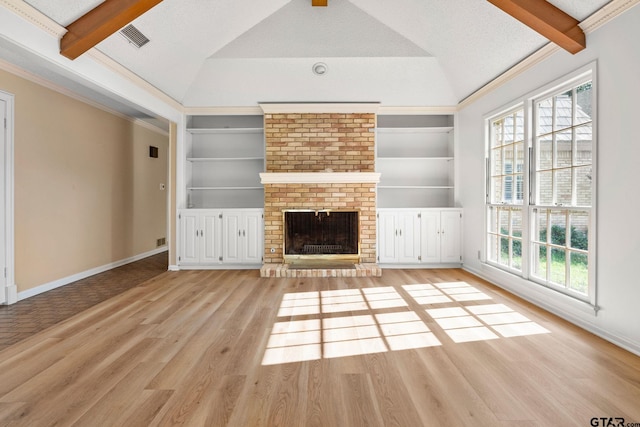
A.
pixel 540 191
pixel 504 199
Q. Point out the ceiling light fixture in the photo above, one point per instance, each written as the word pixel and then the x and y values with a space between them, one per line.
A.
pixel 320 69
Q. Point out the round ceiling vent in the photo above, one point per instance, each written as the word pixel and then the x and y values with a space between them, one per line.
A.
pixel 320 68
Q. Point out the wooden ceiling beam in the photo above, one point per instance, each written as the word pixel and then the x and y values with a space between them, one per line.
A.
pixel 99 23
pixel 319 2
pixel 547 20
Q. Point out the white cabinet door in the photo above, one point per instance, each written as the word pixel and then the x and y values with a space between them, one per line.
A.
pixel 398 236
pixel 450 234
pixel 387 237
pixel 242 236
pixel 232 229
pixel 408 236
pixel 254 240
pixel 431 236
pixel 189 238
pixel 199 240
pixel 441 231
pixel 209 239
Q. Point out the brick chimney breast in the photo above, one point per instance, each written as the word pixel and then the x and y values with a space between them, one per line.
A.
pixel 319 142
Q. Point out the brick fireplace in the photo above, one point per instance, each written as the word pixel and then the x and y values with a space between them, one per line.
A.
pixel 319 157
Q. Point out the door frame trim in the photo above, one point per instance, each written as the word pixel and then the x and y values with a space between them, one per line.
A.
pixel 10 290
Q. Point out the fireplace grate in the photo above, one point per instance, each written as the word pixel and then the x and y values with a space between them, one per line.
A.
pixel 322 249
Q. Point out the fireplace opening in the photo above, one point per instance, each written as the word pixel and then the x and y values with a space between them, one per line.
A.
pixel 321 234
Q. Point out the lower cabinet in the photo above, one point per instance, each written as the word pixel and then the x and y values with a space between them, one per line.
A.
pixel 420 236
pixel 219 237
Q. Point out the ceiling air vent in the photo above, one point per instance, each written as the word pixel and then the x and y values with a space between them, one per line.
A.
pixel 134 36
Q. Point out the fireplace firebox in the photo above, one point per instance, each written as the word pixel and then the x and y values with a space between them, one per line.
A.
pixel 321 234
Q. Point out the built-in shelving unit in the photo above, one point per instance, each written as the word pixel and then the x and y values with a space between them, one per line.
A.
pixel 224 157
pixel 416 161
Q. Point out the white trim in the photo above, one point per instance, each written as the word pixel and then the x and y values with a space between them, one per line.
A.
pixel 312 107
pixel 174 267
pixel 9 230
pixel 33 15
pixel 84 274
pixel 570 309
pixel 319 177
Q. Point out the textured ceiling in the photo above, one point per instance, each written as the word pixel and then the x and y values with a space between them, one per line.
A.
pixel 470 42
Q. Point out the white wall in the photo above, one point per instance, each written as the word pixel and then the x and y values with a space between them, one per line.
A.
pixel 614 47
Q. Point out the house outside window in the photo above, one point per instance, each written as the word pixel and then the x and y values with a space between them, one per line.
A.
pixel 541 188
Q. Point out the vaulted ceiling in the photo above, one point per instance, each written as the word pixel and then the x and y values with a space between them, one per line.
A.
pixel 400 52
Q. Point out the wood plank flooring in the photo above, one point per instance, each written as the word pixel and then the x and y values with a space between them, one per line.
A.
pixel 228 348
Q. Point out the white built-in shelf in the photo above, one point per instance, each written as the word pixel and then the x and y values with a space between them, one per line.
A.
pixel 414 155
pixel 224 156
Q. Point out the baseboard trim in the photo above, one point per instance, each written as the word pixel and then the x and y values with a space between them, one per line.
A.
pixel 582 317
pixel 84 274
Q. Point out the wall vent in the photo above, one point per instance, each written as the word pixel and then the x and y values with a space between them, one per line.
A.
pixel 134 36
pixel 161 242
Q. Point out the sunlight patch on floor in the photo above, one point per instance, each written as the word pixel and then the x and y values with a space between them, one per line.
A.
pixel 315 329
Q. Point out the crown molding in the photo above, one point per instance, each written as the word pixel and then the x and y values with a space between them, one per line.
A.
pixel 33 15
pixel 590 24
pixel 606 14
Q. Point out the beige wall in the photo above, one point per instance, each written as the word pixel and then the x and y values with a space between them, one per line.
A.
pixel 86 191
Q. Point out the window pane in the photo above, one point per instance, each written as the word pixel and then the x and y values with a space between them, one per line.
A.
pixel 496 183
pixel 563 110
pixel 496 134
pixel 545 187
pixel 558 266
pixel 564 187
pixel 540 219
pixel 539 268
pixel 564 147
pixel 579 230
pixel 509 129
pixel 516 222
pixel 516 245
pixel 584 140
pixel 583 186
pixel 519 125
pixel 504 222
pixel 579 272
pixel 504 251
pixel 496 161
pixel 583 101
pixel 545 153
pixel 558 228
pixel 544 117
pixel 493 219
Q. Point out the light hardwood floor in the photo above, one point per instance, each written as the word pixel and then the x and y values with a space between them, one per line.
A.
pixel 228 348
